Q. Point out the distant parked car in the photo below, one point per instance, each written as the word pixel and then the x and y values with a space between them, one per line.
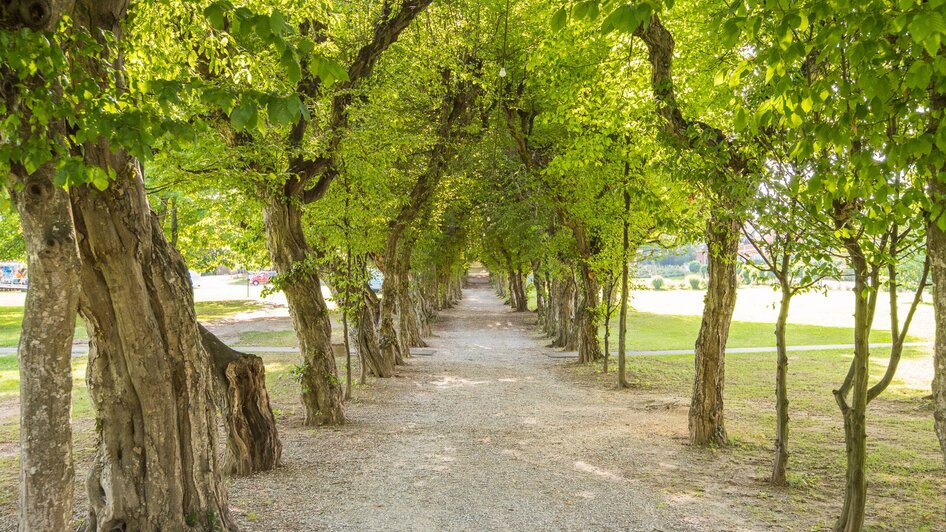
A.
pixel 195 278
pixel 259 278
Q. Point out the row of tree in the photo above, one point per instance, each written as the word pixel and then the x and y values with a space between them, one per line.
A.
pixel 810 129
pixel 328 139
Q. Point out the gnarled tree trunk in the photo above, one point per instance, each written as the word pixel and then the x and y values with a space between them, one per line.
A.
pixel 321 389
pixel 706 409
pixel 47 471
pixel 150 381
pixel 252 439
pixel 587 318
pixel 367 337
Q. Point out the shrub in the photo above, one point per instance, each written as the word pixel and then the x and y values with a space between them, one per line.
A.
pixel 695 283
pixel 694 267
pixel 657 282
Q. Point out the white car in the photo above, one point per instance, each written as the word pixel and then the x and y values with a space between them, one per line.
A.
pixel 195 278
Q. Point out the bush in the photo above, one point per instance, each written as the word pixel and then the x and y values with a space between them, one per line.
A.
pixel 657 282
pixel 695 283
pixel 695 267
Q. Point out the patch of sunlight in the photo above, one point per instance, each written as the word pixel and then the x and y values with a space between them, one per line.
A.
pixel 450 381
pixel 915 373
pixel 594 470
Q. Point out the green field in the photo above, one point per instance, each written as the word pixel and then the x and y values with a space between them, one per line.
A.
pixel 11 318
pixel 647 331
pixel 905 466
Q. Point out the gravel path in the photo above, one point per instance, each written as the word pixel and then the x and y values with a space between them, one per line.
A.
pixel 484 434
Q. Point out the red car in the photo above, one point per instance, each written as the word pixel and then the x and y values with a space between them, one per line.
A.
pixel 259 278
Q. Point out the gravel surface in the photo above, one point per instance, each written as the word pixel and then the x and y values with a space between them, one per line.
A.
pixel 486 433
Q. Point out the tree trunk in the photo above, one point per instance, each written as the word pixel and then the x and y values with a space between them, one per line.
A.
pixel 551 307
pixel 855 412
pixel 388 339
pixel 609 309
pixel 47 471
pixel 706 409
pixel 622 324
pixel 522 300
pixel 936 250
pixel 781 389
pixel 321 390
pixel 366 332
pixel 407 317
pixel 252 439
pixel 588 348
pixel 540 303
pixel 150 381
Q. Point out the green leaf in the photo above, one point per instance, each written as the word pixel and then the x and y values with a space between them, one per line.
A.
pixel 559 19
pixel 919 75
pixel 98 177
pixel 277 23
pixel 244 116
pixel 278 112
pixel 290 62
pixel 586 10
pixel 328 70
pixel 214 14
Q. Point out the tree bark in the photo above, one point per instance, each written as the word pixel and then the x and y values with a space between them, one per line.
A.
pixel 936 251
pixel 706 409
pixel 149 376
pixel 47 470
pixel 367 335
pixel 252 439
pixel 587 315
pixel 321 390
pixel 855 412
pixel 388 339
pixel 522 300
pixel 781 389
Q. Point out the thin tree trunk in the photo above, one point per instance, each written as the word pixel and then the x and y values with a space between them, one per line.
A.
pixel 47 471
pixel 781 389
pixel 706 409
pixel 321 390
pixel 622 323
pixel 252 439
pixel 855 412
pixel 150 381
pixel 609 309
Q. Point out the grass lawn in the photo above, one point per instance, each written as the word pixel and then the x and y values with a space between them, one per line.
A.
pixel 905 467
pixel 11 318
pixel 647 331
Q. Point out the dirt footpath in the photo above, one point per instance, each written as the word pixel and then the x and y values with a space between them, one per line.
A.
pixel 487 433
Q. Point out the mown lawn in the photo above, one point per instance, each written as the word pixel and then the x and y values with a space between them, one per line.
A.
pixel 648 331
pixel 11 318
pixel 906 477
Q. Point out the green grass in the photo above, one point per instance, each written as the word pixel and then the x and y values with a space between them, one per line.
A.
pixel 905 467
pixel 214 310
pixel 11 318
pixel 648 331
